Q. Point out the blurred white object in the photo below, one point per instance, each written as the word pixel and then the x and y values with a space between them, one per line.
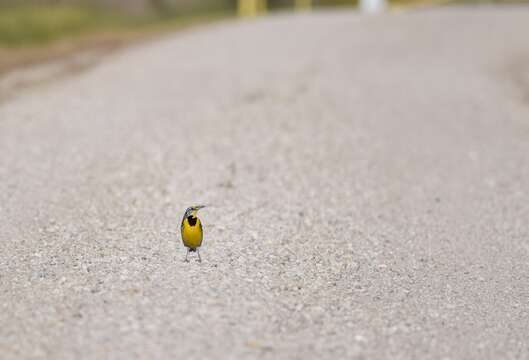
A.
pixel 372 6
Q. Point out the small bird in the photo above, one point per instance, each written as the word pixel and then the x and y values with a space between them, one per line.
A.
pixel 191 230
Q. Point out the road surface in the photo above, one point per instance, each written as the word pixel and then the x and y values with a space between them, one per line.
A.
pixel 367 180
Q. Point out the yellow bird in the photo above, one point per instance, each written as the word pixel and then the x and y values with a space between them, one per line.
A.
pixel 191 230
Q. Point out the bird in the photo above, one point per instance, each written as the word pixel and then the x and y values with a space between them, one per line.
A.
pixel 191 230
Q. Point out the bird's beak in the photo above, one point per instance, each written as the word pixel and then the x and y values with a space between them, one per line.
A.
pixel 200 207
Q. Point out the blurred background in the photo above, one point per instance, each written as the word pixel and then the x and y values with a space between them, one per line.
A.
pixel 36 31
pixel 31 29
pixel 37 21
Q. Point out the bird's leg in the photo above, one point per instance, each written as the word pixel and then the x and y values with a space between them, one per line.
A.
pixel 187 254
pixel 198 253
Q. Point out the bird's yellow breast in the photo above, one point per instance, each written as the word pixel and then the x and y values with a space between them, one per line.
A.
pixel 192 234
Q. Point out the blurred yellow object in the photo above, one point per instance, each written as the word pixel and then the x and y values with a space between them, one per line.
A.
pixel 251 8
pixel 262 6
pixel 303 4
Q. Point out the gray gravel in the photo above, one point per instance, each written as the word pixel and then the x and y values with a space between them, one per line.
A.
pixel 368 183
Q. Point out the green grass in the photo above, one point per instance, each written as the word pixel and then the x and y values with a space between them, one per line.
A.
pixel 28 25
pixel 28 34
pixel 22 26
pixel 35 25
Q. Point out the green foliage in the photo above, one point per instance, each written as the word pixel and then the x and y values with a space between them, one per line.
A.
pixel 22 25
pixel 168 8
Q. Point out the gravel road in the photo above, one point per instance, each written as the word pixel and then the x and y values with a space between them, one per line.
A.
pixel 367 180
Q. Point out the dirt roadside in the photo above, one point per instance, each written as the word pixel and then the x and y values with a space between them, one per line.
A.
pixel 24 67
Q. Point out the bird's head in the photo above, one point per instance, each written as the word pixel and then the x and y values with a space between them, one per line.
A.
pixel 192 210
